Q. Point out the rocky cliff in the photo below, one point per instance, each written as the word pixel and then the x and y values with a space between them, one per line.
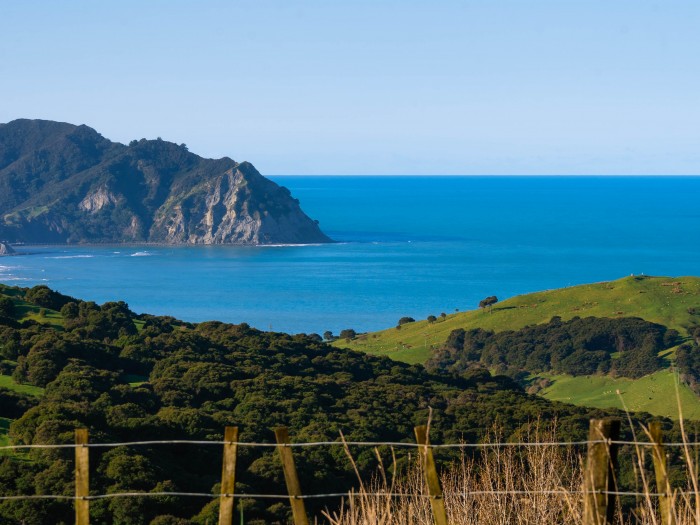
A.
pixel 68 184
pixel 6 249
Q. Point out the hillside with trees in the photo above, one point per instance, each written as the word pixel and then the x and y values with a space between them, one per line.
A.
pixel 624 347
pixel 132 377
pixel 579 344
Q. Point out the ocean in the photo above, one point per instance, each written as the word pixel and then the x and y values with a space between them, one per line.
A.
pixel 407 246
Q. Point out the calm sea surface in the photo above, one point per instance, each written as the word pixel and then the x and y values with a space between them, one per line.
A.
pixel 407 246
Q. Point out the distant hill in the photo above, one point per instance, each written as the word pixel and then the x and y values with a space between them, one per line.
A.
pixel 664 300
pixel 673 303
pixel 62 183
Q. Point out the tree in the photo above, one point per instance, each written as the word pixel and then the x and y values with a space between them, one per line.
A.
pixel 328 335
pixel 348 334
pixel 488 302
pixel 44 297
pixel 7 307
pixel 432 319
pixel 405 320
pixel 70 310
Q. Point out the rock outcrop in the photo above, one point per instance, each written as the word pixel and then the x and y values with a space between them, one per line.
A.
pixel 68 184
pixel 6 249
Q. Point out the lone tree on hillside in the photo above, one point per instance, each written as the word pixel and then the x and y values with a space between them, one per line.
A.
pixel 405 320
pixel 488 302
pixel 348 334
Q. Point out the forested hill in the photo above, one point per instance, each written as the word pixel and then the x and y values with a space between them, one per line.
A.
pixel 579 344
pixel 61 183
pixel 69 363
pixel 625 347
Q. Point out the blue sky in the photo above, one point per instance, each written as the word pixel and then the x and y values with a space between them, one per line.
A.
pixel 371 87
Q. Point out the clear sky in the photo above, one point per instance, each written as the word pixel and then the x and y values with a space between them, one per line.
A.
pixel 371 87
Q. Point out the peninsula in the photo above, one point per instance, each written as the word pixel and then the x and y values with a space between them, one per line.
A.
pixel 62 183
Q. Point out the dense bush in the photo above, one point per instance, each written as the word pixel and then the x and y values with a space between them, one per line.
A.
pixel 688 363
pixel 626 347
pixel 45 297
pixel 7 307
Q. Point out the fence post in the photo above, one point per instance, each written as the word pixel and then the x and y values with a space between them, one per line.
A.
pixel 290 477
pixel 228 476
pixel 437 503
pixel 662 485
pixel 600 472
pixel 82 479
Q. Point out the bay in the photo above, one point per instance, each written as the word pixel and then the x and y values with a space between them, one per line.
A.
pixel 407 246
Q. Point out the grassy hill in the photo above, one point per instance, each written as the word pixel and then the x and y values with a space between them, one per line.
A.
pixel 664 300
pixel 654 393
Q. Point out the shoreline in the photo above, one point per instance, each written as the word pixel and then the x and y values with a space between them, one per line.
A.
pixel 167 245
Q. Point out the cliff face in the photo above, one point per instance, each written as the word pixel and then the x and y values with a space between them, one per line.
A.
pixel 6 249
pixel 65 183
pixel 239 206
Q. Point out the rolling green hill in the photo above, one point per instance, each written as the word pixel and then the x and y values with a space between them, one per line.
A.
pixel 663 300
pixel 670 301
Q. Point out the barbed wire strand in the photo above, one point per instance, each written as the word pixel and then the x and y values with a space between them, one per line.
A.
pixel 310 444
pixel 345 494
pixel 349 443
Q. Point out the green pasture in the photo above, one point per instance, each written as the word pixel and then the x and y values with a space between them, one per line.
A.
pixel 663 300
pixel 655 393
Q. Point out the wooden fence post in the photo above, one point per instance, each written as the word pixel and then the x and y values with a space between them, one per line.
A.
pixel 660 469
pixel 600 473
pixel 437 503
pixel 82 478
pixel 228 476
pixel 290 476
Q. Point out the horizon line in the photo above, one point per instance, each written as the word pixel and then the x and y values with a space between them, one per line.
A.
pixel 561 175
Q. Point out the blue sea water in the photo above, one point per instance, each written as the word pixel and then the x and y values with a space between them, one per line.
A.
pixel 408 246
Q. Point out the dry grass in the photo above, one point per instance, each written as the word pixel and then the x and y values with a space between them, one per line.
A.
pixel 512 485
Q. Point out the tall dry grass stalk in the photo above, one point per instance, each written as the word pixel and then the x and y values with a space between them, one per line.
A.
pixel 509 486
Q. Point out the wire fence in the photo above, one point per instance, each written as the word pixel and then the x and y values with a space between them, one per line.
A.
pixel 601 462
pixel 395 444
